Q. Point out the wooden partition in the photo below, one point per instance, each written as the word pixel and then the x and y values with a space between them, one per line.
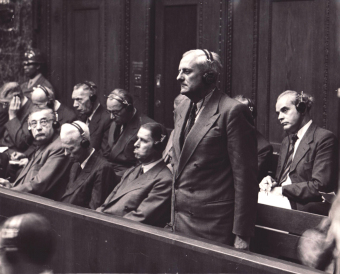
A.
pixel 90 242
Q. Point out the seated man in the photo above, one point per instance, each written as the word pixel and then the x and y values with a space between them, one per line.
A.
pixel 144 193
pixel 27 243
pixel 93 113
pixel 43 96
pixel 16 135
pixel 123 131
pixel 91 178
pixel 33 67
pixel 308 160
pixel 45 172
pixel 264 148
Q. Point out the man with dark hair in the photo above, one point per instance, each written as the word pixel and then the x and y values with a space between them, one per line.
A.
pixel 215 157
pixel 91 112
pixel 123 131
pixel 45 172
pixel 16 135
pixel 44 96
pixel 144 192
pixel 264 148
pixel 33 66
pixel 308 161
pixel 91 177
pixel 27 243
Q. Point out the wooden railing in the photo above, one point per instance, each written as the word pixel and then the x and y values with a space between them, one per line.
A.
pixel 88 241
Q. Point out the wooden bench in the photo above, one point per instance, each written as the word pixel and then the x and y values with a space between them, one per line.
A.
pixel 89 242
pixel 281 244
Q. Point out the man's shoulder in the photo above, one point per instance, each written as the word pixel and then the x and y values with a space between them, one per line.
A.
pixel 102 113
pixel 100 162
pixel 162 171
pixel 145 119
pixel 323 133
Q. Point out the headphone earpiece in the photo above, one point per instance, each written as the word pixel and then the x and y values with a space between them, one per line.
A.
pixel 209 77
pixel 92 87
pixel 93 98
pixel 301 106
pixel 84 143
pixel 121 100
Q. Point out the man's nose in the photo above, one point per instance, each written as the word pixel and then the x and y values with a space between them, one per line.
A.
pixel 179 76
pixel 75 104
pixel 38 126
pixel 137 143
pixel 280 116
pixel 112 116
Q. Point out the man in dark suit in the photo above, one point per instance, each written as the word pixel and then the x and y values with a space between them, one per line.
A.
pixel 144 192
pixel 16 135
pixel 215 157
pixel 91 178
pixel 308 160
pixel 45 172
pixel 123 131
pixel 91 112
pixel 264 148
pixel 43 96
pixel 33 65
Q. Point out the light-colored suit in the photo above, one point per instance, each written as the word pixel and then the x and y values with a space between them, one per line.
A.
pixel 45 172
pixel 146 199
pixel 215 187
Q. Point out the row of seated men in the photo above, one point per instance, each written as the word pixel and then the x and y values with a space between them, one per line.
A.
pixel 214 152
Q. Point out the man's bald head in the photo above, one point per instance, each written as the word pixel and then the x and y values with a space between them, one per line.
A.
pixel 71 139
pixel 41 97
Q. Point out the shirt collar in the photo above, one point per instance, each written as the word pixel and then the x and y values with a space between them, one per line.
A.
pixel 56 105
pixel 147 167
pixel 35 78
pixel 303 130
pixel 204 100
pixel 90 118
pixel 87 159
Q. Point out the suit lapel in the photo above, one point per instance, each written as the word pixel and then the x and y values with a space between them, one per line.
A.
pixel 283 155
pixel 137 183
pixel 84 174
pixel 204 122
pixel 130 130
pixel 304 146
pixel 181 111
pixel 94 124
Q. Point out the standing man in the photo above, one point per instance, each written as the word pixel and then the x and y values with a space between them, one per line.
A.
pixel 92 113
pixel 144 193
pixel 91 178
pixel 44 96
pixel 308 161
pixel 123 131
pixel 33 66
pixel 215 157
pixel 45 172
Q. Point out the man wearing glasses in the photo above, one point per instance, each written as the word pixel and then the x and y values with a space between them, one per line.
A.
pixel 16 135
pixel 44 173
pixel 91 112
pixel 123 131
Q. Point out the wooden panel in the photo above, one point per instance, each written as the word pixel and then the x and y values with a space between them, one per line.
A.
pixel 91 242
pixel 176 33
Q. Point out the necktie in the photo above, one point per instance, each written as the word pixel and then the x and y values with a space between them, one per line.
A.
pixel 116 133
pixel 289 158
pixel 138 171
pixel 191 121
pixel 78 170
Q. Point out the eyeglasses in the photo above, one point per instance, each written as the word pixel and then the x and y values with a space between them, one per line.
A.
pixel 43 122
pixel 114 113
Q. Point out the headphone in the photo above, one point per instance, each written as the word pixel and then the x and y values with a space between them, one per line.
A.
pixel 301 105
pixel 50 104
pixel 84 143
pixel 210 76
pixel 92 87
pixel 121 100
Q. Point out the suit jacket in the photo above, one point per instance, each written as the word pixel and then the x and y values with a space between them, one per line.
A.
pixel 16 136
pixel 264 156
pixel 40 81
pixel 66 115
pixel 45 173
pixel 93 184
pixel 215 174
pixel 120 154
pixel 146 199
pixel 99 129
pixel 314 167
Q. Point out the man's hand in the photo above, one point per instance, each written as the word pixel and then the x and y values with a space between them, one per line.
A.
pixel 242 242
pixel 14 107
pixel 5 183
pixel 267 184
pixel 276 191
pixel 15 156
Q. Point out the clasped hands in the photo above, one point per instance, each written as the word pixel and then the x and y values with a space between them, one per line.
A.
pixel 269 185
pixel 21 158
pixel 14 107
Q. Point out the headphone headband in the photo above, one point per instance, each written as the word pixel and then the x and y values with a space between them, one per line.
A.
pixel 81 131
pixel 119 99
pixel 92 85
pixel 209 56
